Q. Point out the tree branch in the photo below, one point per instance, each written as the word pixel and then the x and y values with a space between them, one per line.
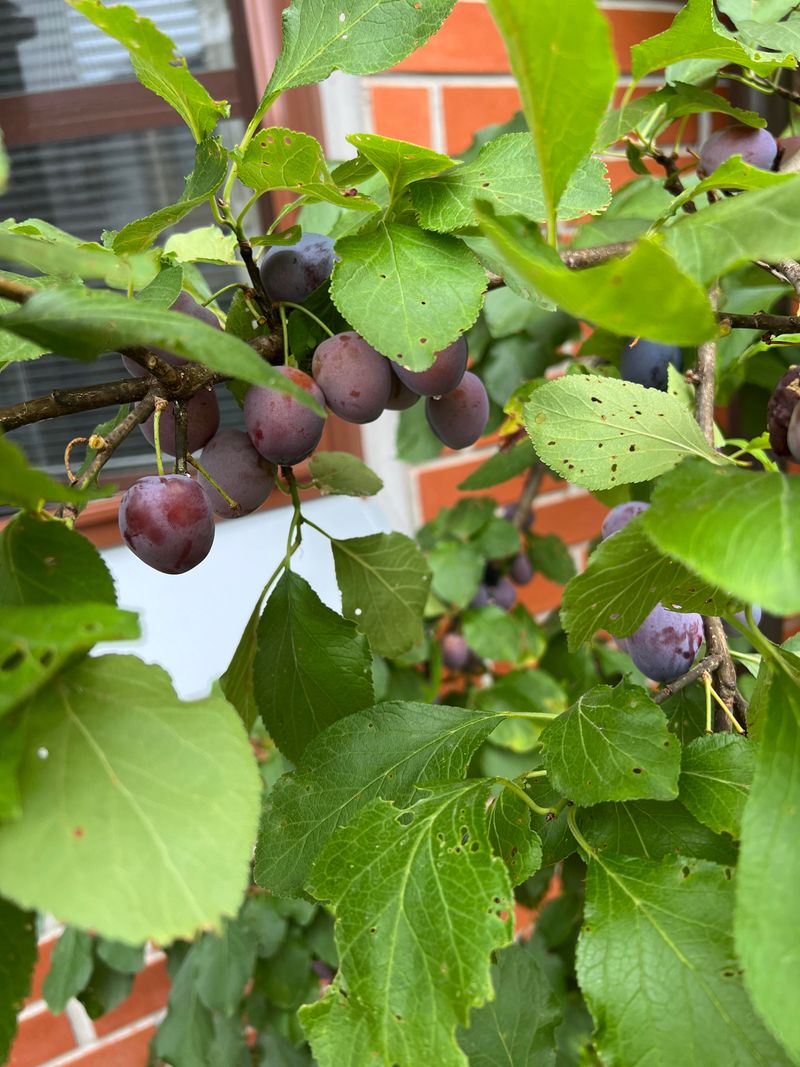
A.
pixel 706 371
pixel 673 183
pixel 761 320
pixel 533 481
pixel 707 665
pixel 791 272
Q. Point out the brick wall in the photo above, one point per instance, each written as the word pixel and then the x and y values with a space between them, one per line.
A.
pixel 452 86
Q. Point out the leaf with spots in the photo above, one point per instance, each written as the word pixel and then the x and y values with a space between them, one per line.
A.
pixel 384 581
pixel 698 518
pixel 420 894
pixel 357 36
pixel 512 838
pixel 400 162
pixel 408 292
pixel 506 174
pixel 382 752
pixel 685 989
pixel 716 775
pixel 600 432
pixel 625 578
pixel 114 790
pixel 613 744
pixel 311 666
pixel 278 158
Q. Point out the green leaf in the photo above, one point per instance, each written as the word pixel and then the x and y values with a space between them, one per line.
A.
pixel 733 173
pixel 716 774
pixel 642 294
pixel 736 231
pixel 422 895
pixel 613 744
pixel 409 293
pixel 157 67
pixel 383 752
pixel 237 681
pixel 672 918
pixel 512 838
pixel 501 467
pixel 70 968
pixel 783 36
pixel 506 173
pixel 625 579
pixel 550 557
pixel 278 158
pixel 167 779
pixel 344 474
pixel 546 43
pixel 400 162
pixel 15 349
pixel 600 432
pixel 653 829
pixel 756 10
pixel 210 166
pixel 516 1028
pixel 766 931
pixel 206 244
pixel 17 957
pixel 186 1033
pixel 457 570
pixel 373 35
pixel 498 540
pixel 13 740
pixel 384 581
pixel 696 33
pixel 499 635
pixel 37 642
pixel 416 441
pixel 24 486
pixel 694 512
pixel 45 562
pixel 63 255
pixel 311 667
pixel 224 965
pixel 105 990
pixel 127 959
pixel 83 324
pixel 164 289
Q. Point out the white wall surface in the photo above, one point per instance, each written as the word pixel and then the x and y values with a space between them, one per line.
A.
pixel 191 623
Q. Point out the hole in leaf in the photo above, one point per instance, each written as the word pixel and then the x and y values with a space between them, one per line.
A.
pixel 12 661
pixel 637 770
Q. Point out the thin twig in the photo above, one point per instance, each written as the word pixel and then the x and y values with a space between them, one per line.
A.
pixel 761 320
pixel 673 183
pixel 167 375
pixel 705 372
pixel 707 665
pixel 533 481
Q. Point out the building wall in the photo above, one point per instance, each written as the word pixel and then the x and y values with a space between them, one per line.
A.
pixel 452 86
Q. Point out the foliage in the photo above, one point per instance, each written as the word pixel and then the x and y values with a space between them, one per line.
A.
pixel 432 755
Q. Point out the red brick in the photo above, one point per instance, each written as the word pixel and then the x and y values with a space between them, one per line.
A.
pixel 46 947
pixel 39 1038
pixel 149 993
pixel 130 1050
pixel 541 594
pixel 468 43
pixel 576 519
pixel 468 108
pixel 628 27
pixel 401 112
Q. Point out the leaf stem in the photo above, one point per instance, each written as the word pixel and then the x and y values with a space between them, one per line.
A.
pixel 573 826
pixel 224 289
pixel 546 716
pixel 520 792
pixel 311 315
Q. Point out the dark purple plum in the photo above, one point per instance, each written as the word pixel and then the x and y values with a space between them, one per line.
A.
pixel 400 396
pixel 780 409
pixel 283 430
pixel 444 374
pixel 459 418
pixel 789 147
pixel 356 380
pixel 482 597
pixel 665 645
pixel 167 522
pixel 619 517
pixel 186 305
pixel 756 147
pixel 521 570
pixel 793 434
pixel 292 272
pixel 203 422
pixel 455 652
pixel 646 363
pixel 503 594
pixel 233 463
pixel 509 511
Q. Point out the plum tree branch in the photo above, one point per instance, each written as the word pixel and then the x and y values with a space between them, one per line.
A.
pixel 533 481
pixel 762 320
pixel 706 666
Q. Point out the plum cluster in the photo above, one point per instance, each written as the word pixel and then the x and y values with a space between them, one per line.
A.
pixel 168 520
pixel 783 416
pixel 666 643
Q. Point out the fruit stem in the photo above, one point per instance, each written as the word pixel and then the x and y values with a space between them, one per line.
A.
pixel 520 792
pixel 160 405
pixel 287 359
pixel 311 315
pixel 224 289
pixel 214 484
pixel 181 435
pixel 285 210
pixel 734 723
pixel 707 687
